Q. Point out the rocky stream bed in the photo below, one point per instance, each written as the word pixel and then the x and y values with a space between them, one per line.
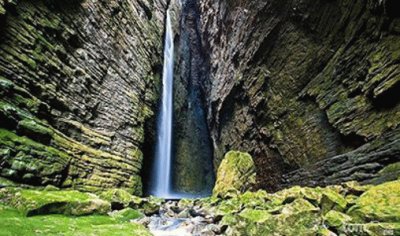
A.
pixel 347 209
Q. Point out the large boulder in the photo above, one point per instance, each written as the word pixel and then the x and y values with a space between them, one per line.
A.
pixel 380 203
pixel 118 198
pixel 236 174
pixel 336 219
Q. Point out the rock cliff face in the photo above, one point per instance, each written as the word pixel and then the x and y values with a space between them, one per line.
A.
pixel 308 88
pixel 193 170
pixel 78 82
pixel 300 82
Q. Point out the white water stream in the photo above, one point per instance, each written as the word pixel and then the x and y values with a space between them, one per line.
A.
pixel 161 183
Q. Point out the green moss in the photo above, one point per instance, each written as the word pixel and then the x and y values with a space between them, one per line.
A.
pixel 355 188
pixel 253 199
pixel 336 219
pixel 297 206
pixel 2 10
pixel 325 232
pixel 392 168
pixel 118 197
pixel 331 200
pixel 35 129
pixel 6 182
pixel 258 216
pixel 28 159
pixel 380 203
pixel 69 202
pixel 53 23
pixel 6 84
pixel 230 206
pixel 150 205
pixel 126 215
pixel 236 174
pixel 23 57
pixel 12 223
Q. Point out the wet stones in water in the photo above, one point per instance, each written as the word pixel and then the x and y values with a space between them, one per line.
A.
pixel 175 220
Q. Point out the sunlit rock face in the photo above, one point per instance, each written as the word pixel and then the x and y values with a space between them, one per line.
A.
pixel 78 83
pixel 297 82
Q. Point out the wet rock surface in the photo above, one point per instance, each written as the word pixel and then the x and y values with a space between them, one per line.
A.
pixel 297 82
pixel 346 209
pixel 193 169
pixel 78 86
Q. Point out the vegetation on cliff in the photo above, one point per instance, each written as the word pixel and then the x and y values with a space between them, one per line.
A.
pixel 77 90
pixel 307 89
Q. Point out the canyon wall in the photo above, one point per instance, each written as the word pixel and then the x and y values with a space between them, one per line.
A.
pixel 309 88
pixel 192 168
pixel 79 84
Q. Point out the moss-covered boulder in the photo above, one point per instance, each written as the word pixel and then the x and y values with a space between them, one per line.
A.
pixel 336 219
pixel 118 198
pixel 313 195
pixel 355 188
pixel 67 202
pixel 332 200
pixel 297 206
pixel 148 206
pixel 126 215
pixel 257 199
pixel 236 174
pixel 380 203
pixel 297 218
pixel 257 216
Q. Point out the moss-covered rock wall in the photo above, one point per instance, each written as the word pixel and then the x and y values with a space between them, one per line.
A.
pixel 78 82
pixel 294 82
pixel 192 167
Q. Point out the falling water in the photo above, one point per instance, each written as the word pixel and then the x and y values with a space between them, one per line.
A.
pixel 161 182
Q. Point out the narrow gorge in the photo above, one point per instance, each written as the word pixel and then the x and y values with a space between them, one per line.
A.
pixel 199 117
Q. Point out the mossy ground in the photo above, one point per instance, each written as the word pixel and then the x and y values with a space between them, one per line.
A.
pixel 346 209
pixel 13 223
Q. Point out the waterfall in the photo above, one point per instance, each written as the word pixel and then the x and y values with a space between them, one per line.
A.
pixel 161 182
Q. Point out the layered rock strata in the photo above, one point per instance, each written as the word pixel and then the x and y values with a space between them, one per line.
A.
pixel 78 82
pixel 294 82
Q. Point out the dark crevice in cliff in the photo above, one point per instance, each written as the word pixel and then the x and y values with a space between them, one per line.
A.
pixel 352 140
pixel 388 99
pixel 150 136
pixel 192 168
pixel 149 154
